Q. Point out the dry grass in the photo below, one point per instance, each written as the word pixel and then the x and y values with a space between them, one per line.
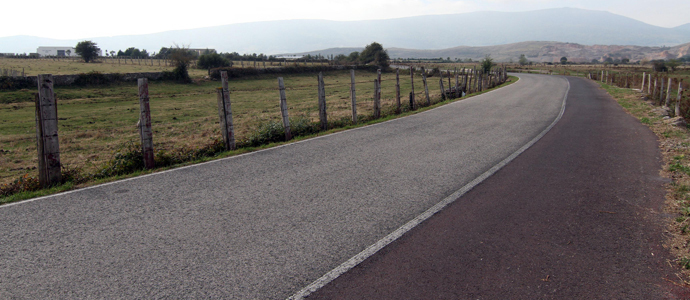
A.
pixel 93 122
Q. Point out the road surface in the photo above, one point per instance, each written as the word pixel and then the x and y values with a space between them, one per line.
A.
pixel 266 224
pixel 577 216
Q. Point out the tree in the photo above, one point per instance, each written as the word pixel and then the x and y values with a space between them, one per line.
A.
pixel 374 54
pixel 673 64
pixel 68 52
pixel 181 57
pixel 213 60
pixel 564 60
pixel 88 50
pixel 353 57
pixel 659 66
pixel 523 60
pixel 487 63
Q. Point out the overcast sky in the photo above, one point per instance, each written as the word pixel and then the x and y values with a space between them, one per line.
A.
pixel 95 18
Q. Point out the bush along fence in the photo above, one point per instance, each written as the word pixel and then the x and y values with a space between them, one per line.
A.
pixel 139 157
pixel 659 88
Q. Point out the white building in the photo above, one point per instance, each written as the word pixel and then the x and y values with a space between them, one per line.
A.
pixel 57 51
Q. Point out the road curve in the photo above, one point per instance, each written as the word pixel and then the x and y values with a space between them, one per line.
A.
pixel 265 224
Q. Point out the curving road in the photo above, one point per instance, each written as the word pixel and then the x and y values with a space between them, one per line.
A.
pixel 266 224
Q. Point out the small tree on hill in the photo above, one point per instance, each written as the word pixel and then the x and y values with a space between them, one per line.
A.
pixel 487 63
pixel 375 54
pixel 88 50
pixel 564 60
pixel 523 60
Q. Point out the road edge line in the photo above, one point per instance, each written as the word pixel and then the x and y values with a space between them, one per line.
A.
pixel 380 244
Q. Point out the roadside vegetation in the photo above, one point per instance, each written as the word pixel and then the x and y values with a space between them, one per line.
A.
pixel 99 139
pixel 674 144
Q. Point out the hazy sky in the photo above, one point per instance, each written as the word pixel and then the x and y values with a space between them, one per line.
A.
pixel 93 18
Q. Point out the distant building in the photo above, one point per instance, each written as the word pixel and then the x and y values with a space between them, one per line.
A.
pixel 59 51
pixel 289 57
pixel 202 51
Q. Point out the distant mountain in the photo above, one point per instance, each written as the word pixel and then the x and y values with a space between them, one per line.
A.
pixel 685 28
pixel 567 25
pixel 534 51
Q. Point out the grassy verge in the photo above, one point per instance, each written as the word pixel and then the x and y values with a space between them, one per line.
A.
pixel 674 143
pixel 190 156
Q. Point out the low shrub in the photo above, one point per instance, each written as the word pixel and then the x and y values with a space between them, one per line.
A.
pixel 97 78
pixel 16 83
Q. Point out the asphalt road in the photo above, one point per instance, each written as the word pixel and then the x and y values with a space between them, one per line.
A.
pixel 577 216
pixel 266 224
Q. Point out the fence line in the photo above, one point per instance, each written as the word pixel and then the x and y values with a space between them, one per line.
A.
pixel 146 131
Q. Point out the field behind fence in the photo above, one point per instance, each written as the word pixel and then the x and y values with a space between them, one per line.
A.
pixel 69 66
pixel 94 122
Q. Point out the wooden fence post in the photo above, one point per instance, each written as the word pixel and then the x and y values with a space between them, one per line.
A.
pixel 380 83
pixel 284 109
pixel 353 96
pixel 457 84
pixel 322 103
pixel 225 113
pixel 656 79
pixel 449 77
pixel 397 91
pixel 48 144
pixel 644 74
pixel 661 92
pixel 412 101
pixel 426 87
pixel 145 131
pixel 443 90
pixel 668 92
pixel 377 99
pixel 649 83
pixel 680 96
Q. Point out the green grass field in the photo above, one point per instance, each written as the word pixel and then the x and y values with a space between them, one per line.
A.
pixel 67 66
pixel 94 121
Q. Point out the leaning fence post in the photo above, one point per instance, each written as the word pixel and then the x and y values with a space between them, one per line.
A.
pixel 225 113
pixel 48 145
pixel 353 96
pixel 426 87
pixel 284 109
pixel 397 90
pixel 377 99
pixel 322 103
pixel 680 95
pixel 145 131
